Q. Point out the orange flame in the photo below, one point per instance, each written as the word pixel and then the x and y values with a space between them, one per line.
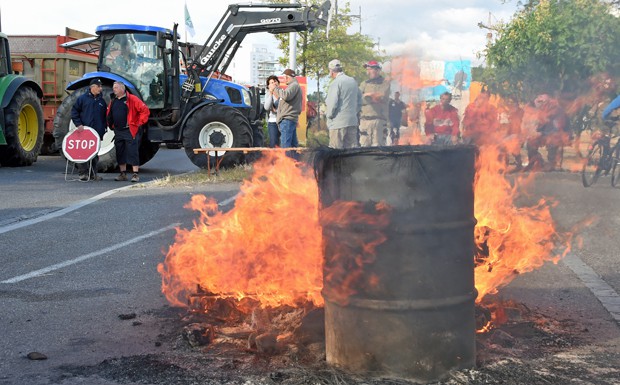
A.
pixel 511 240
pixel 270 245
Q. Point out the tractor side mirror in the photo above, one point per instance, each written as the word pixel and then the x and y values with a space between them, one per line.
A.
pixel 160 40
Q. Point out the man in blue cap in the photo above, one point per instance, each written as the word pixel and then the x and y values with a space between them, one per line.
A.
pixel 90 110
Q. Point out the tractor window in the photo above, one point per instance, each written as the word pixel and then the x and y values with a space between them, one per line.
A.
pixel 136 57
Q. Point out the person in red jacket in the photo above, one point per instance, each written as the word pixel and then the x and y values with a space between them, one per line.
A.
pixel 126 113
pixel 442 122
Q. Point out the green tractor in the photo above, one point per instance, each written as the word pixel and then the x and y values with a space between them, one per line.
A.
pixel 21 114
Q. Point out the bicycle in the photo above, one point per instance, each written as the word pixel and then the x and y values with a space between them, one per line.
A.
pixel 602 159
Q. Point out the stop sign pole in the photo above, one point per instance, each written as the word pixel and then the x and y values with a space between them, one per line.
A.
pixel 81 146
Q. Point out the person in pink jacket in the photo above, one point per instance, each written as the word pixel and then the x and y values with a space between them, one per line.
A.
pixel 126 114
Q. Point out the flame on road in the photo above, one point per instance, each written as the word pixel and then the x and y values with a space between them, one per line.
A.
pixel 269 245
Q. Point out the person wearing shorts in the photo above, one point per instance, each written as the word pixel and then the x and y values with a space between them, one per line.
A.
pixel 126 114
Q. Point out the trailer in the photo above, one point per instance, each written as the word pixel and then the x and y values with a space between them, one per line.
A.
pixel 41 59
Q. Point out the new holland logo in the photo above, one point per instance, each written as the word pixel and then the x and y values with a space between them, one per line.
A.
pixel 216 45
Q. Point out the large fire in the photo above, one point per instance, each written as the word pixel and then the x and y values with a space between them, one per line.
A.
pixel 269 245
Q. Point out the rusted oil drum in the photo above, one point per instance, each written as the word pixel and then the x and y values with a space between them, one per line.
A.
pixel 416 319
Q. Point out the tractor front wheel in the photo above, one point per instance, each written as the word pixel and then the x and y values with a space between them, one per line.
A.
pixel 219 127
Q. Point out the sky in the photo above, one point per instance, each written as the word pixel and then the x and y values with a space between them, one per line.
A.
pixel 427 30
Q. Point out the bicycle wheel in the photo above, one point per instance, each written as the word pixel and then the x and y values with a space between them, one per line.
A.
pixel 615 168
pixel 592 166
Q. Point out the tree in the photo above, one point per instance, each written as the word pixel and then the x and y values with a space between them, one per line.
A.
pixel 553 46
pixel 315 49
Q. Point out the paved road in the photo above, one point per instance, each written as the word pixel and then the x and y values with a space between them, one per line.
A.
pixel 28 192
pixel 66 279
pixel 67 275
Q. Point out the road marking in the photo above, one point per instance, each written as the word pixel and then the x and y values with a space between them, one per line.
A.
pixel 601 290
pixel 55 214
pixel 76 206
pixel 84 257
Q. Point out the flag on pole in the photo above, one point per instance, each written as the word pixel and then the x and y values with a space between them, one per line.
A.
pixel 189 26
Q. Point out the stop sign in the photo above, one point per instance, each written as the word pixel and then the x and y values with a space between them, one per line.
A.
pixel 81 146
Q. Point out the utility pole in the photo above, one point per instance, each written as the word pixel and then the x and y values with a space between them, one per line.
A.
pixel 292 51
pixel 489 34
pixel 490 28
pixel 359 17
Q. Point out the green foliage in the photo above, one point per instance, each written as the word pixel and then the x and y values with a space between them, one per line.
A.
pixel 553 46
pixel 315 49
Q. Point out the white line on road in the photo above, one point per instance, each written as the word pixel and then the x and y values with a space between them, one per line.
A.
pixel 84 257
pixel 55 214
pixel 601 290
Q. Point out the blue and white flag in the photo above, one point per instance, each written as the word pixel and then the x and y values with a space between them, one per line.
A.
pixel 189 26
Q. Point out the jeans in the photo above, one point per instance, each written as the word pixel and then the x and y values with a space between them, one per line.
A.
pixel 274 134
pixel 288 137
pixel 288 133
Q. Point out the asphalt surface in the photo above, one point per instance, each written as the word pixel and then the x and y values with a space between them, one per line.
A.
pixel 28 192
pixel 76 255
pixel 84 255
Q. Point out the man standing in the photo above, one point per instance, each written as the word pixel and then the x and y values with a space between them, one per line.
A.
pixel 289 108
pixel 125 116
pixel 396 108
pixel 442 122
pixel 375 97
pixel 481 121
pixel 344 103
pixel 89 110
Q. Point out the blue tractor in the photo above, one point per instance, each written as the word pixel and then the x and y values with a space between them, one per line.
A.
pixel 192 102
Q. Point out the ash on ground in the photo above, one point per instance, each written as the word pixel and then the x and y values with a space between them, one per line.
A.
pixel 240 344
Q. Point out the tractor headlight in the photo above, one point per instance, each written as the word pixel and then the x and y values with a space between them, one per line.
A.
pixel 247 99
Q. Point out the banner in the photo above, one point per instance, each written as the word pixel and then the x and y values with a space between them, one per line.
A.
pixel 189 26
pixel 452 76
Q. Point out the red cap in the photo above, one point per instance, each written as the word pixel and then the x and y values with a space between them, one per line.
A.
pixel 373 64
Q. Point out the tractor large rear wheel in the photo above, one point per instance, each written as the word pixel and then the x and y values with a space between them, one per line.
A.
pixel 23 129
pixel 217 126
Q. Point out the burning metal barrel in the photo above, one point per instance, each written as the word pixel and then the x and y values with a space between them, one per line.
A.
pixel 409 311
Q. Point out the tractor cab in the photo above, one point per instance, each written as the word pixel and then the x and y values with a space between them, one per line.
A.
pixel 139 55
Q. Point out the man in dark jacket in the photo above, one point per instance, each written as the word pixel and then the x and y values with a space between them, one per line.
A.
pixel 89 110
pixel 396 107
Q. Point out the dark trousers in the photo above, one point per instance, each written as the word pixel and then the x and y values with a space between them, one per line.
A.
pixel 83 167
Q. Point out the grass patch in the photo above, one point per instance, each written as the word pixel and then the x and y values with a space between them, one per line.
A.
pixel 317 138
pixel 234 174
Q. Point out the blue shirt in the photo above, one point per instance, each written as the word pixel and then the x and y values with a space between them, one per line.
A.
pixel 612 106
